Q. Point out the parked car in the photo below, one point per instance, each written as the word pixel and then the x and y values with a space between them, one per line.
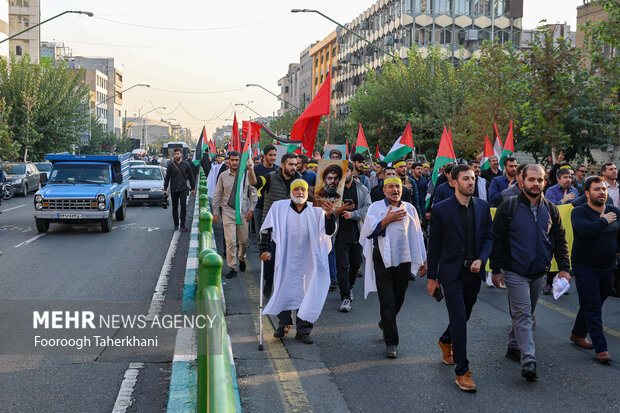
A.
pixel 43 166
pixel 23 177
pixel 146 184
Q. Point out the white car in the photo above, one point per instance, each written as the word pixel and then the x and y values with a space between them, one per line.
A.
pixel 146 184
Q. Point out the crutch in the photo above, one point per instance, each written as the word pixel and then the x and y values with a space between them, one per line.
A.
pixel 260 311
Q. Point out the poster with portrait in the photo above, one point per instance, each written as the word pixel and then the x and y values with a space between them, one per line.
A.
pixel 330 182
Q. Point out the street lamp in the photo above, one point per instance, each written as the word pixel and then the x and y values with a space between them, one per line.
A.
pixel 144 123
pixel 123 91
pixel 88 13
pixel 243 104
pixel 345 28
pixel 270 92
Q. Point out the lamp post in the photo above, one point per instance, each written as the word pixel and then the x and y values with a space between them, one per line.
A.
pixel 243 104
pixel 88 13
pixel 345 28
pixel 270 92
pixel 144 123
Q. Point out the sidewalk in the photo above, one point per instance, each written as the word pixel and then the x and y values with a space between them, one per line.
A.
pixel 288 375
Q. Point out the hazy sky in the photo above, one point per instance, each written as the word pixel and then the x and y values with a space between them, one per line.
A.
pixel 199 55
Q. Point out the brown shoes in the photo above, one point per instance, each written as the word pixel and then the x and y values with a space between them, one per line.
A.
pixel 446 350
pixel 603 357
pixel 465 382
pixel 581 342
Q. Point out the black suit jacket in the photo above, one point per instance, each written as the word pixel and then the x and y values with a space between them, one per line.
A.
pixel 446 248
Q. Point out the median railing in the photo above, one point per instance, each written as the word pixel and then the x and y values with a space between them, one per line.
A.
pixel 216 380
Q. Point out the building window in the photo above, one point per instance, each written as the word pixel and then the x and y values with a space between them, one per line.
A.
pixel 18 22
pixel 443 6
pixel 19 3
pixel 423 36
pixel 462 6
pixel 443 36
pixel 482 7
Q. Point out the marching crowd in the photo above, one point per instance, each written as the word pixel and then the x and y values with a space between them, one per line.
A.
pixel 499 226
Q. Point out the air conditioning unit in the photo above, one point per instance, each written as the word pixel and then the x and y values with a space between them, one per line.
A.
pixel 389 40
pixel 364 25
pixel 348 57
pixel 355 60
pixel 472 35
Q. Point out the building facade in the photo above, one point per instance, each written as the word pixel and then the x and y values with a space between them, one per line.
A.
pixel 4 27
pixel 528 37
pixel 114 106
pixel 457 27
pixel 289 89
pixel 24 14
pixel 51 51
pixel 591 12
pixel 305 76
pixel 323 56
pixel 152 131
pixel 222 134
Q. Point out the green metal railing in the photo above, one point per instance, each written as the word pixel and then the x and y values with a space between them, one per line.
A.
pixel 216 378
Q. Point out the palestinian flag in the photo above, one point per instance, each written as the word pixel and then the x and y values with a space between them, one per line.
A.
pixel 378 156
pixel 245 155
pixel 361 145
pixel 486 154
pixel 498 147
pixel 235 138
pixel 201 146
pixel 401 147
pixel 212 148
pixel 445 155
pixel 509 146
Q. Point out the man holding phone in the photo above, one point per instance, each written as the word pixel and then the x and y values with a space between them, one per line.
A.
pixel 348 249
pixel 461 240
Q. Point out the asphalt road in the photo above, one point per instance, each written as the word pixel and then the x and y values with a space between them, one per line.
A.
pixel 80 264
pixel 345 369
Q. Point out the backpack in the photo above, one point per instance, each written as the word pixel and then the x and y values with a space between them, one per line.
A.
pixel 513 203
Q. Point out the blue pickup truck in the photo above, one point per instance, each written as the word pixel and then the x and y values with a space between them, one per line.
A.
pixel 83 189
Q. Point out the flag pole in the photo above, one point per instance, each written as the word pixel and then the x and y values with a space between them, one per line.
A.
pixel 260 311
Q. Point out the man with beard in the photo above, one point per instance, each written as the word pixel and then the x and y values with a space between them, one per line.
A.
pixel 301 281
pixel 394 248
pixel 595 247
pixel 610 173
pixel 527 234
pixel 331 179
pixel 503 182
pixel 275 186
pixel 377 179
pixel 461 238
pixel 563 192
pixel 358 169
pixel 493 172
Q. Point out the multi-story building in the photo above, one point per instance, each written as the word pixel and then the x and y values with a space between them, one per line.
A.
pixel 24 14
pixel 592 12
pixel 97 83
pixel 528 37
pixel 151 131
pixel 4 27
pixel 305 77
pixel 222 134
pixel 51 51
pixel 115 86
pixel 457 27
pixel 289 89
pixel 323 56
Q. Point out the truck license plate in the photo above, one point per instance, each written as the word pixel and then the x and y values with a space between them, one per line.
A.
pixel 141 196
pixel 69 216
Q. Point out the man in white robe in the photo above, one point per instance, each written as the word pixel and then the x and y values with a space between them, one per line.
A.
pixel 301 234
pixel 392 236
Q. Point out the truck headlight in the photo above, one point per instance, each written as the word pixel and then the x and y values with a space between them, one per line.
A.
pixel 102 206
pixel 38 198
pixel 101 198
pixel 38 205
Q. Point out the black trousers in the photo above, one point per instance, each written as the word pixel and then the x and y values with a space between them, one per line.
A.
pixel 268 270
pixel 285 318
pixel 348 265
pixel 392 285
pixel 460 298
pixel 177 197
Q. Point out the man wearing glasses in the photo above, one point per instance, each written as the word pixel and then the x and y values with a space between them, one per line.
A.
pixel 580 177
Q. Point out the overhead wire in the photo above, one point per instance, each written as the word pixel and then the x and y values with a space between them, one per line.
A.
pixel 186 28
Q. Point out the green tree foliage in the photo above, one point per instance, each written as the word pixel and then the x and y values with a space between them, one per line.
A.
pixel 8 147
pixel 45 106
pixel 101 141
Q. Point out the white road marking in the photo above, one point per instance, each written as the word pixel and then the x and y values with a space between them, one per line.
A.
pixel 153 229
pixel 157 302
pixel 28 241
pixel 185 345
pixel 123 399
pixel 15 207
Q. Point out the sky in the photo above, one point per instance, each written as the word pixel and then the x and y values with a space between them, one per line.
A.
pixel 198 55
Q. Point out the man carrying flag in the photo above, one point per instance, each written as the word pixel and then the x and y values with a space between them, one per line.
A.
pixel 445 156
pixel 489 164
pixel 237 198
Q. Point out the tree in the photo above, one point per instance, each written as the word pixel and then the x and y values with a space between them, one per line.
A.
pixel 44 105
pixel 102 141
pixel 8 147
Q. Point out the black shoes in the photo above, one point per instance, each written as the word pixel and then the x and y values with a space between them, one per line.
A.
pixel 528 370
pixel 547 289
pixel 242 266
pixel 231 274
pixel 513 354
pixel 281 332
pixel 304 338
pixel 390 351
pixel 333 286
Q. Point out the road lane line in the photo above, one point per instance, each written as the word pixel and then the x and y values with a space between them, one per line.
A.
pixel 28 241
pixel 123 399
pixel 157 302
pixel 291 391
pixel 572 315
pixel 15 207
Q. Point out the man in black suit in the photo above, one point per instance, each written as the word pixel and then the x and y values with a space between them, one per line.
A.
pixel 461 239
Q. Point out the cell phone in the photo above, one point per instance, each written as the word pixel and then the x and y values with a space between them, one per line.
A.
pixel 348 201
pixel 438 294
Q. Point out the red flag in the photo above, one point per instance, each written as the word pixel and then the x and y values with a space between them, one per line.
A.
pixel 212 148
pixel 510 140
pixel 378 155
pixel 255 131
pixel 307 125
pixel 450 136
pixel 347 143
pixel 361 145
pixel 236 139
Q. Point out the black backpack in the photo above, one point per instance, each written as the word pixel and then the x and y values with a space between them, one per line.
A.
pixel 513 203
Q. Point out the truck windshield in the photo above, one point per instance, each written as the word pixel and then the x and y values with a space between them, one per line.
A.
pixel 80 174
pixel 145 173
